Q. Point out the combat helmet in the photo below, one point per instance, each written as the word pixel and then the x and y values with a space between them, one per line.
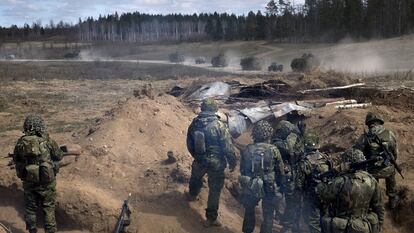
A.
pixel 262 131
pixel 311 141
pixel 284 128
pixel 209 105
pixel 34 124
pixel 353 156
pixel 372 117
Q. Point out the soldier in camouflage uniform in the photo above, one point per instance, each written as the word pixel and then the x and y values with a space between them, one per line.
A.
pixel 210 144
pixel 37 158
pixel 287 139
pixel 312 164
pixel 352 200
pixel 369 144
pixel 262 172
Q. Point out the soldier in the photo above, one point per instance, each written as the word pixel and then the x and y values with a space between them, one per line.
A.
pixel 261 168
pixel 37 158
pixel 353 200
pixel 210 144
pixel 370 143
pixel 288 141
pixel 312 164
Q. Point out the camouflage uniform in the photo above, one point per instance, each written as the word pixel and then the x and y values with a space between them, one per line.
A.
pixel 217 152
pixel 43 193
pixel 261 168
pixel 310 166
pixel 288 141
pixel 353 200
pixel 372 149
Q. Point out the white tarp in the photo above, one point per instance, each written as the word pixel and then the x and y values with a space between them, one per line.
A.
pixel 240 120
pixel 212 90
pixel 259 113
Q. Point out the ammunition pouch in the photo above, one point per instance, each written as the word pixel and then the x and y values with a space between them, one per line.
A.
pixel 47 172
pixel 32 173
pixel 199 143
pixel 369 224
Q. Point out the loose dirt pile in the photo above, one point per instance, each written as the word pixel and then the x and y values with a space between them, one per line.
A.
pixel 125 151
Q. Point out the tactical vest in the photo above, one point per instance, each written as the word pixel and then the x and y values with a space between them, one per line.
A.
pixel 38 165
pixel 372 148
pixel 318 164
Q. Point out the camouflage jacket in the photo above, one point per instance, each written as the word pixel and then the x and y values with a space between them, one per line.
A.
pixel 367 143
pixel 309 167
pixel 352 195
pixel 268 165
pixel 218 141
pixel 52 153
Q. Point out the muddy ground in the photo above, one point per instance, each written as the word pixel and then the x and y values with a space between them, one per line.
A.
pixel 125 139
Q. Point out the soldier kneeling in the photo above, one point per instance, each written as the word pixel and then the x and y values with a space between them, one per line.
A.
pixel 352 201
pixel 261 168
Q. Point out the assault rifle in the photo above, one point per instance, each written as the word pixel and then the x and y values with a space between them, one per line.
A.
pixel 348 167
pixel 388 156
pixel 124 218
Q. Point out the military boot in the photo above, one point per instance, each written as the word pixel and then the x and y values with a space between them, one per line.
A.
pixel 212 223
pixel 393 201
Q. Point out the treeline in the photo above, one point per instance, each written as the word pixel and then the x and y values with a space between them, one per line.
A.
pixel 316 20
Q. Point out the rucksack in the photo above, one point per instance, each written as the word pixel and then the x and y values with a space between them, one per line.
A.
pixel 39 168
pixel 261 162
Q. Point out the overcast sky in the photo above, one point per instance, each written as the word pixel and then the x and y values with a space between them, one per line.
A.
pixel 28 11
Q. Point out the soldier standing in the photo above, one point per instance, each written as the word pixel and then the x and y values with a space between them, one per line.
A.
pixel 37 158
pixel 210 144
pixel 312 164
pixel 261 169
pixel 372 143
pixel 288 141
pixel 353 200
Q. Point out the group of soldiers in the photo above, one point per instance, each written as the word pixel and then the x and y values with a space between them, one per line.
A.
pixel 284 163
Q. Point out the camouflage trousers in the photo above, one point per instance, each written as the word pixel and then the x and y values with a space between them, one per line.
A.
pixel 387 173
pixel 43 196
pixel 215 185
pixel 268 206
pixel 291 217
pixel 311 213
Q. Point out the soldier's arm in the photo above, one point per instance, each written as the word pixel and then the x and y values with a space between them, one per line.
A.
pixel 377 204
pixel 360 143
pixel 393 145
pixel 17 155
pixel 226 144
pixel 243 154
pixel 190 140
pixel 327 192
pixel 55 152
pixel 279 168
pixel 301 175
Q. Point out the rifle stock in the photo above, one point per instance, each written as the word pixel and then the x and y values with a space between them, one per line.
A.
pixel 124 218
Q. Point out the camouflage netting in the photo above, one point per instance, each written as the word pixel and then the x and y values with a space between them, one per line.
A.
pixel 251 63
pixel 262 131
pixel 220 61
pixel 176 57
pixel 308 62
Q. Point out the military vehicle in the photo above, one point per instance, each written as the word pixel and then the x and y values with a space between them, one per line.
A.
pixel 274 67
pixel 251 63
pixel 308 62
